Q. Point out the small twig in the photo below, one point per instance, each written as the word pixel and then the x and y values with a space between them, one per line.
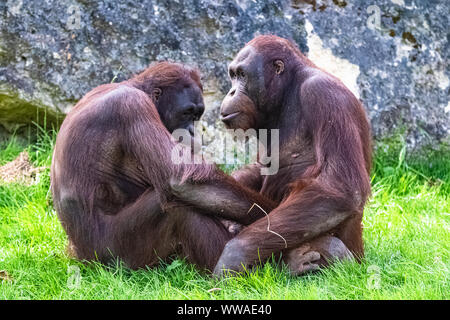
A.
pixel 115 76
pixel 268 223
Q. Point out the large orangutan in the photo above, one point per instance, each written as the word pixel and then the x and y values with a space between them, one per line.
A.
pixel 325 157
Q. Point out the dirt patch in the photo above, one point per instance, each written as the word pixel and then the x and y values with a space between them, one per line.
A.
pixel 4 276
pixel 20 170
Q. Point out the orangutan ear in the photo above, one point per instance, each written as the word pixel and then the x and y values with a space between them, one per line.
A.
pixel 157 92
pixel 279 66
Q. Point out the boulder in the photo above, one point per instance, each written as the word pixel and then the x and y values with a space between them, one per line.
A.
pixel 393 54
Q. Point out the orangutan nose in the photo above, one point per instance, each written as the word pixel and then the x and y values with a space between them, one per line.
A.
pixel 196 110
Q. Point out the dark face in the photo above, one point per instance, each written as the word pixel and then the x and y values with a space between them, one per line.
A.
pixel 244 105
pixel 179 106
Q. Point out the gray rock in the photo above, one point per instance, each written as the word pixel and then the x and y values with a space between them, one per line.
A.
pixel 53 52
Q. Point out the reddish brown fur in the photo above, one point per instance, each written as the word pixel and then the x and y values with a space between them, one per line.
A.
pixel 325 152
pixel 165 74
pixel 329 179
pixel 110 175
pixel 111 172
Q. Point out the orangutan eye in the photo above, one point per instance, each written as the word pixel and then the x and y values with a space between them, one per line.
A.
pixel 240 73
pixel 232 74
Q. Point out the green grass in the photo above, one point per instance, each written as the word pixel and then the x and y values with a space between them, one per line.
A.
pixel 406 238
